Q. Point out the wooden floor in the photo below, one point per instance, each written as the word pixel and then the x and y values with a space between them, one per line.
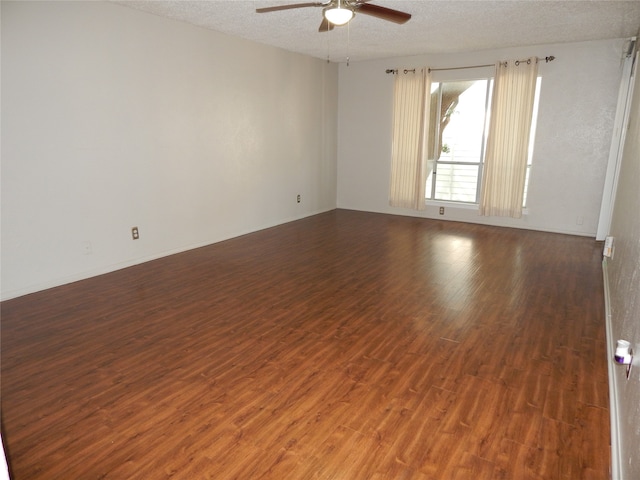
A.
pixel 343 346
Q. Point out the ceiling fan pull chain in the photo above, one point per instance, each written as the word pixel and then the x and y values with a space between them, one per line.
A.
pixel 348 40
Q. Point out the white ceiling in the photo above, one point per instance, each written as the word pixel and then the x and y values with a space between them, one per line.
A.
pixel 436 26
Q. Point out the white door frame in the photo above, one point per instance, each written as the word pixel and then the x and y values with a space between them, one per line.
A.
pixel 620 126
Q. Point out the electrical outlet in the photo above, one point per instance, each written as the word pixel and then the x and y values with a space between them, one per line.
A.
pixel 441 210
pixel 298 198
pixel 134 233
pixel 608 247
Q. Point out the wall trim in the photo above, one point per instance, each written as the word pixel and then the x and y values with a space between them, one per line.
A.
pixel 616 458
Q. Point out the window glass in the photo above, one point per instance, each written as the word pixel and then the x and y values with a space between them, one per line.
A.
pixel 457 133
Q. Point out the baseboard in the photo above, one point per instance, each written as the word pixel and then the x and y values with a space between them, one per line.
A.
pixel 474 219
pixel 104 269
pixel 616 458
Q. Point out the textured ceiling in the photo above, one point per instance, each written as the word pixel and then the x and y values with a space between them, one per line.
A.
pixel 436 26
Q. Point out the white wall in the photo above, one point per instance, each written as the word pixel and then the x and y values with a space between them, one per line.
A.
pixel 114 118
pixel 577 107
pixel 623 272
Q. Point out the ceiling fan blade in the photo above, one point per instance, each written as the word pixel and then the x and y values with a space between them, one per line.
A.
pixel 384 13
pixel 325 26
pixel 289 7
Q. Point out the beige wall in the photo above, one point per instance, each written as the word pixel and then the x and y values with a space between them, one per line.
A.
pixel 114 118
pixel 578 100
pixel 623 272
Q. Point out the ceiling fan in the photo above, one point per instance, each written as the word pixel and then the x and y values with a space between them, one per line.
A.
pixel 340 12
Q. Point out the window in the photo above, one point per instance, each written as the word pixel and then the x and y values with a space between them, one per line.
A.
pixel 460 112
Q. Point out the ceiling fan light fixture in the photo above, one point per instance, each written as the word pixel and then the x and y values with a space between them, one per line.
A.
pixel 338 15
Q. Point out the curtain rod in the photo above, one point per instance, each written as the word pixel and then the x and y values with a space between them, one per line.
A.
pixel 548 59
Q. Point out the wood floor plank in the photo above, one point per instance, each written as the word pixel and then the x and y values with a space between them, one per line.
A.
pixel 346 345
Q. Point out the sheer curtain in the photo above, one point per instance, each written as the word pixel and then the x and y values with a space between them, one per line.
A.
pixel 508 140
pixel 410 133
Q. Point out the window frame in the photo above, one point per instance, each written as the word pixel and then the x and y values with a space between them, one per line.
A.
pixel 432 178
pixel 483 142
